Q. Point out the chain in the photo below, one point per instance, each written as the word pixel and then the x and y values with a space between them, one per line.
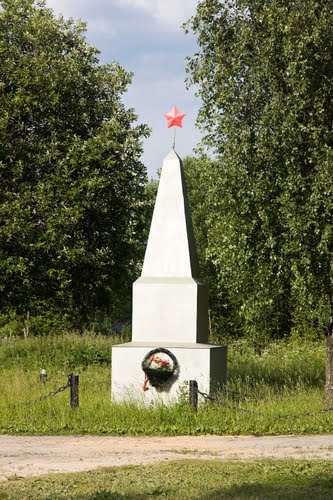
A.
pixel 232 408
pixel 245 410
pixel 46 396
pixel 305 414
pixel 205 395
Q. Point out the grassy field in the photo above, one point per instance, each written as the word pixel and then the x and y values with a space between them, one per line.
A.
pixel 184 479
pixel 286 378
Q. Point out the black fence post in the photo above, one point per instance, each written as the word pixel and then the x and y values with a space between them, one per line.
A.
pixel 194 395
pixel 74 390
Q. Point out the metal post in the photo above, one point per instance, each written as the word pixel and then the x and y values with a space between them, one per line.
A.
pixel 74 390
pixel 194 395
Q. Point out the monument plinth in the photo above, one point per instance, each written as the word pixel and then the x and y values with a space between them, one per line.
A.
pixel 170 307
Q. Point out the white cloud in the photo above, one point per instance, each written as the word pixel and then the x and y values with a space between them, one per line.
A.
pixel 69 8
pixel 102 27
pixel 97 24
pixel 168 13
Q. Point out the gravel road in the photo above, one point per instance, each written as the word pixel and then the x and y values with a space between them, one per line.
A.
pixel 37 455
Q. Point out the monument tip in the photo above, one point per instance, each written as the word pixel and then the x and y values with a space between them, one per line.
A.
pixel 172 155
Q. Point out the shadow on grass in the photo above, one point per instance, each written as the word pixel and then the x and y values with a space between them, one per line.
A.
pixel 105 495
pixel 321 489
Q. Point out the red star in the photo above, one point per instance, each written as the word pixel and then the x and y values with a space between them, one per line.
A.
pixel 174 117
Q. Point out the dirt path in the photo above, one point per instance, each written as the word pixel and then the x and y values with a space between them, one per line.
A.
pixel 36 455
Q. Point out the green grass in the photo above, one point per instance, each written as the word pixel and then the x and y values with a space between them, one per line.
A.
pixel 287 378
pixel 206 480
pixel 61 353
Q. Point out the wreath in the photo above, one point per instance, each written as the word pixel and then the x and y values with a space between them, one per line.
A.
pixel 158 368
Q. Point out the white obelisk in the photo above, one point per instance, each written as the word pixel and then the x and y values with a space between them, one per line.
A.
pixel 170 303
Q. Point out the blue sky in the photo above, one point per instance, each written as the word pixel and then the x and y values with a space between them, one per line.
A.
pixel 146 37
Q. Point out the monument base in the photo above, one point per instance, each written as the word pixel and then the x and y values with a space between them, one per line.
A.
pixel 205 363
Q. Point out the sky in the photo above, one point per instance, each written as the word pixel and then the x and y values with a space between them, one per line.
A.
pixel 146 38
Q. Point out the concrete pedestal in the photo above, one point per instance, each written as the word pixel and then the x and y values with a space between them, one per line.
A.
pixel 205 363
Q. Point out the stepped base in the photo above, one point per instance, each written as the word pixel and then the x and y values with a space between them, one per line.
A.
pixel 205 363
pixel 167 309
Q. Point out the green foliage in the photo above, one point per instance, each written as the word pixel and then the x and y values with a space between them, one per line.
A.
pixel 10 326
pixel 264 74
pixel 200 174
pixel 71 182
pixel 197 174
pixel 200 479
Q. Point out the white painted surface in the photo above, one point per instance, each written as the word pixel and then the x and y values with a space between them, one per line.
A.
pixel 203 362
pixel 171 248
pixel 170 310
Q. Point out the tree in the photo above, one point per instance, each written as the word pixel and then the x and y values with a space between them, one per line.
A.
pixel 199 173
pixel 264 73
pixel 71 182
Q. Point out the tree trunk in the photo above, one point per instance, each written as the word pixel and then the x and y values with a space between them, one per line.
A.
pixel 329 364
pixel 26 326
